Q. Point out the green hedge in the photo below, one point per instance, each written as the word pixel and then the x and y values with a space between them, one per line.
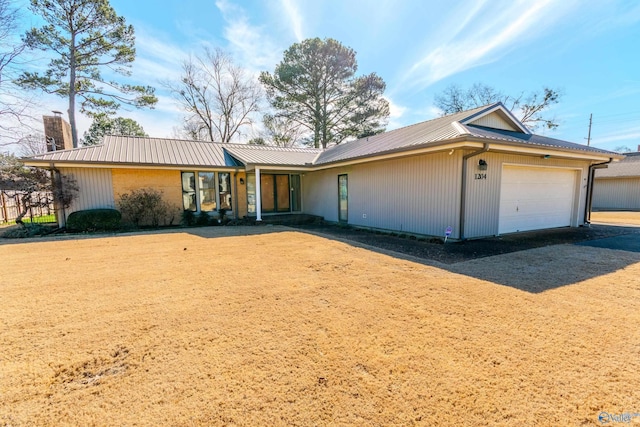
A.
pixel 94 219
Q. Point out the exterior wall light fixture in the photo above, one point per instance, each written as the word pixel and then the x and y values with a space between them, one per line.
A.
pixel 482 165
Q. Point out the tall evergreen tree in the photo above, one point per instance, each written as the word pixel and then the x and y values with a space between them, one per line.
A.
pixel 315 86
pixel 103 125
pixel 85 37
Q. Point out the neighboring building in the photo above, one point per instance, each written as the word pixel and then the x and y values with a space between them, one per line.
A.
pixel 618 186
pixel 480 172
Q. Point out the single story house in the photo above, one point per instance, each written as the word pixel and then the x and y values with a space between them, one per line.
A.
pixel 471 174
pixel 618 186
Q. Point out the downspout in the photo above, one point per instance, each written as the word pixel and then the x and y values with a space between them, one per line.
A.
pixel 463 193
pixel 590 178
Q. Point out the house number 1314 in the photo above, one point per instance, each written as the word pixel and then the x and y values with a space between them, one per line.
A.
pixel 481 176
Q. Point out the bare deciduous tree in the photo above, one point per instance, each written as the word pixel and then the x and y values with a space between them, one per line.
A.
pixel 33 144
pixel 529 108
pixel 281 131
pixel 35 186
pixel 14 103
pixel 218 96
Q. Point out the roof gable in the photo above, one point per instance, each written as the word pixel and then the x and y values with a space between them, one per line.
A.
pixel 496 116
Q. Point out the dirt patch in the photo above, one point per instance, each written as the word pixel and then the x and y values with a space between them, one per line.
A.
pixel 616 217
pixel 287 328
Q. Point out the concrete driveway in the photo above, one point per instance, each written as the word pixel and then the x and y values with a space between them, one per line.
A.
pixel 626 242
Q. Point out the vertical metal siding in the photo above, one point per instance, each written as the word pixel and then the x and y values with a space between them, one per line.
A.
pixel 416 195
pixel 95 189
pixel 320 193
pixel 483 195
pixel 493 121
pixel 616 193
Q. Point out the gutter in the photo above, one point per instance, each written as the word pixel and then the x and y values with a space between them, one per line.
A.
pixel 590 178
pixel 463 192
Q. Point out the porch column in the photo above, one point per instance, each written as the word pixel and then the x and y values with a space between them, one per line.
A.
pixel 258 196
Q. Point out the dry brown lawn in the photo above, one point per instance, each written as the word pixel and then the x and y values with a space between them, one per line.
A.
pixel 285 328
pixel 617 217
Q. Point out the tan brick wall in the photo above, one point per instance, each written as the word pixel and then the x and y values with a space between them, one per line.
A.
pixel 126 180
pixel 242 194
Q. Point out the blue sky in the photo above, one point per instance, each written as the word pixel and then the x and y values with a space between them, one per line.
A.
pixel 587 50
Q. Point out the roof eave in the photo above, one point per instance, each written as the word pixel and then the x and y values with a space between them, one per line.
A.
pixel 528 148
pixel 123 165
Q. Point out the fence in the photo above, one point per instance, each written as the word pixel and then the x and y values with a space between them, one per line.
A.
pixel 42 210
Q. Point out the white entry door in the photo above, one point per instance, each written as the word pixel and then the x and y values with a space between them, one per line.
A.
pixel 534 198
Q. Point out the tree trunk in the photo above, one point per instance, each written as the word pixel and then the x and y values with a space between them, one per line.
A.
pixel 72 92
pixel 317 124
pixel 23 207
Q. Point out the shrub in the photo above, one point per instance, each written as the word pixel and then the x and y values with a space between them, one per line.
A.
pixel 222 212
pixel 94 219
pixel 146 207
pixel 188 218
pixel 203 218
pixel 27 230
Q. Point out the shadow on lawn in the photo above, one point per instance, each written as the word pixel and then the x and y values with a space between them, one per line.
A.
pixel 204 232
pixel 532 262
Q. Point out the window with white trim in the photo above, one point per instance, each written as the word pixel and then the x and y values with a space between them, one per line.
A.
pixel 210 192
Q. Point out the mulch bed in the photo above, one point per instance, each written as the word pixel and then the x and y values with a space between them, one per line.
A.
pixel 454 252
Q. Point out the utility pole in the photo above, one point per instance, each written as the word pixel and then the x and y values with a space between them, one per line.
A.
pixel 589 137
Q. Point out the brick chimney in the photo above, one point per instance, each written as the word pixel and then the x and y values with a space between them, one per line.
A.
pixel 57 132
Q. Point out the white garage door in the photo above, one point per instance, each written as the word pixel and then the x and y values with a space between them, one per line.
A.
pixel 535 198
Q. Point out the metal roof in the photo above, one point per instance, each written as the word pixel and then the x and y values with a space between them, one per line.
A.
pixel 274 156
pixel 442 129
pixel 627 167
pixel 530 139
pixel 128 150
pixel 419 134
pixel 131 150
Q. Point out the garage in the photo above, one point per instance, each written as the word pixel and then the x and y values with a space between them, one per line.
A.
pixel 534 198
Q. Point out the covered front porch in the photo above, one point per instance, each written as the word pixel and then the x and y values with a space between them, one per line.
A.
pixel 273 192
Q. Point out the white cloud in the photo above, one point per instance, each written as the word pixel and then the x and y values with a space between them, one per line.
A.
pixel 294 17
pixel 631 134
pixel 396 113
pixel 250 45
pixel 483 34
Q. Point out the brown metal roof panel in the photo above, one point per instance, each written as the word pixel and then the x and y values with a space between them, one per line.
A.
pixel 627 167
pixel 414 135
pixel 531 139
pixel 272 155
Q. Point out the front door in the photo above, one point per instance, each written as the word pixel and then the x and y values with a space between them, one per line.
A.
pixel 275 191
pixel 343 198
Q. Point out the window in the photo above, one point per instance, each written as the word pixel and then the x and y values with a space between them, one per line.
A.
pixel 210 192
pixel 251 193
pixel 189 191
pixel 207 191
pixel 296 196
pixel 224 182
